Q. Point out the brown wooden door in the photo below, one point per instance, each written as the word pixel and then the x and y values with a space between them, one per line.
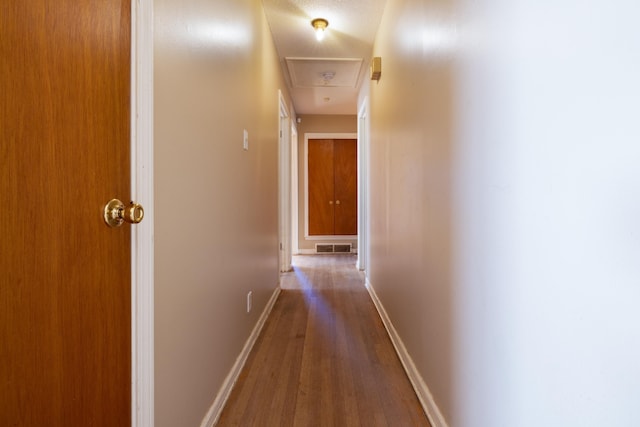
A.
pixel 346 187
pixel 332 172
pixel 321 187
pixel 65 344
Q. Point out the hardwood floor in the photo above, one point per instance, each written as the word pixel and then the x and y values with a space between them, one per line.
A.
pixel 323 358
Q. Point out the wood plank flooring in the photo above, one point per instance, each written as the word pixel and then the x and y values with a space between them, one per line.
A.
pixel 323 357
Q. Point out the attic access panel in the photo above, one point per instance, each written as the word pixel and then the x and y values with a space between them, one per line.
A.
pixel 324 72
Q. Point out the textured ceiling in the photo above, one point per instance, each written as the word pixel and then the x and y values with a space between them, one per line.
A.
pixel 324 77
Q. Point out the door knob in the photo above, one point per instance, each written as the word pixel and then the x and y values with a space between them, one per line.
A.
pixel 116 213
pixel 337 202
pixel 330 202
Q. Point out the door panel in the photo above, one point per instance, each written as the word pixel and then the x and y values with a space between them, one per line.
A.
pixel 321 186
pixel 346 187
pixel 65 344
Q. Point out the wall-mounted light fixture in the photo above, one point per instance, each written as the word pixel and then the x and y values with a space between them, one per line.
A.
pixel 376 68
pixel 319 25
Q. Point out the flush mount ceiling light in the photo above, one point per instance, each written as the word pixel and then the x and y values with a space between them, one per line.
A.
pixel 319 25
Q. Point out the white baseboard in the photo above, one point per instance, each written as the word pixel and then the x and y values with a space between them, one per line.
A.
pixel 214 412
pixel 306 252
pixel 424 395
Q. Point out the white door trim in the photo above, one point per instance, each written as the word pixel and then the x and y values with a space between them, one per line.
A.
pixel 142 327
pixel 284 179
pixel 295 247
pixel 307 137
pixel 363 184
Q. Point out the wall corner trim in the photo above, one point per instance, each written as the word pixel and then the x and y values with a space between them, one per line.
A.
pixel 212 416
pixel 424 395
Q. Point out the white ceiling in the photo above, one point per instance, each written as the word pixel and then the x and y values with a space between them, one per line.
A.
pixel 324 77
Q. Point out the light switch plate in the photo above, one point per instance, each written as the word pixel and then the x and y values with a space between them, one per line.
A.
pixel 245 141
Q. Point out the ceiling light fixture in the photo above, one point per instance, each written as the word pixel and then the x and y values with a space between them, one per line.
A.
pixel 319 25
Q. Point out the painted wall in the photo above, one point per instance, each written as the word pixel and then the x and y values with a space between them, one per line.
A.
pixel 505 205
pixel 318 124
pixel 216 73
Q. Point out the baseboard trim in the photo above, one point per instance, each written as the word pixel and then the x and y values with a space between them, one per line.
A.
pixel 215 410
pixel 422 391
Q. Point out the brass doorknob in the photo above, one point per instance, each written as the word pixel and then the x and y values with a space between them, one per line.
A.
pixel 116 213
pixel 337 202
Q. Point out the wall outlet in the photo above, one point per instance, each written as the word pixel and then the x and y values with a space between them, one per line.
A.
pixel 249 301
pixel 245 140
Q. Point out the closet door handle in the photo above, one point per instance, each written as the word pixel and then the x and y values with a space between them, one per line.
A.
pixel 337 202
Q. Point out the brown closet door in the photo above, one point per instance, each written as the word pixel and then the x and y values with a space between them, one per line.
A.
pixel 345 157
pixel 321 187
pixel 333 183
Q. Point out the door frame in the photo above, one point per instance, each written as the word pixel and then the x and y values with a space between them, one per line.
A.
pixel 363 185
pixel 295 246
pixel 307 137
pixel 142 259
pixel 284 184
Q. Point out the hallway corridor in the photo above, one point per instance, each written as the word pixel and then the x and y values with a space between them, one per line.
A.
pixel 323 357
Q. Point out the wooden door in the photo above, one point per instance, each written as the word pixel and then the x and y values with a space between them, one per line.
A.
pixel 321 187
pixel 332 172
pixel 346 187
pixel 65 309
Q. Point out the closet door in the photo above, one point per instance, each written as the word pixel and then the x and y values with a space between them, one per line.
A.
pixel 321 187
pixel 345 187
pixel 332 172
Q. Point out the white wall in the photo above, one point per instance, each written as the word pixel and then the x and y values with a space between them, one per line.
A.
pixel 216 234
pixel 505 206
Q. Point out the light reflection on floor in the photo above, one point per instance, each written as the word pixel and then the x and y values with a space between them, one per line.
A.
pixel 322 295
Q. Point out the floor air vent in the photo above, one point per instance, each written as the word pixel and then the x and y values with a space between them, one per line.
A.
pixel 330 248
